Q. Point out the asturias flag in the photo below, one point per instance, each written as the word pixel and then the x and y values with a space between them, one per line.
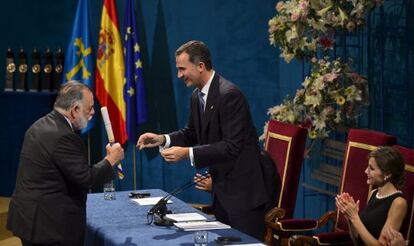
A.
pixel 134 92
pixel 78 62
pixel 110 71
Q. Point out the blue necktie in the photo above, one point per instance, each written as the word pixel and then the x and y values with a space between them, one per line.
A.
pixel 200 101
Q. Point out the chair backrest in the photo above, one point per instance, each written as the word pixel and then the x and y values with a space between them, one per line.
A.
pixel 408 191
pixel 285 143
pixel 359 144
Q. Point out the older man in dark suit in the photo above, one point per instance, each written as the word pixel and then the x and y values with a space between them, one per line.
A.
pixel 220 135
pixel 49 201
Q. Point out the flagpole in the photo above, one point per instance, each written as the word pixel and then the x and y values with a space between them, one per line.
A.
pixel 163 162
pixel 141 171
pixel 134 166
pixel 89 154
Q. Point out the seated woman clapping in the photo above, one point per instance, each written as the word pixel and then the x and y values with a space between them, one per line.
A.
pixel 386 208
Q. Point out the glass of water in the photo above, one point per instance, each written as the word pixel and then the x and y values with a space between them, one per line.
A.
pixel 109 191
pixel 200 238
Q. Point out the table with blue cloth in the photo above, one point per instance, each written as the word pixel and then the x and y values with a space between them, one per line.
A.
pixel 124 222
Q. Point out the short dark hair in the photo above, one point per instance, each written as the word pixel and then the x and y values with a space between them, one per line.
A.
pixel 197 52
pixel 390 161
pixel 69 94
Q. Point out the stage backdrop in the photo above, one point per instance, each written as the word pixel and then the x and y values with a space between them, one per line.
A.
pixel 235 31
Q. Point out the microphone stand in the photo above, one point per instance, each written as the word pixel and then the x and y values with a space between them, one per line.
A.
pixel 159 210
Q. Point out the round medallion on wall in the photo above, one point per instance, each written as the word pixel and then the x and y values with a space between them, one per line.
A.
pixel 11 67
pixel 23 68
pixel 58 68
pixel 36 68
pixel 47 68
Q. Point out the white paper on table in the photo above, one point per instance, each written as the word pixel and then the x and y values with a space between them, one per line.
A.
pixel 201 225
pixel 186 217
pixel 148 200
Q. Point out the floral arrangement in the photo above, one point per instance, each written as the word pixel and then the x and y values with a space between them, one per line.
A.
pixel 331 96
pixel 302 27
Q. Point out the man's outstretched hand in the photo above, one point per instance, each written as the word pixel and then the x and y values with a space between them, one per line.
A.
pixel 149 140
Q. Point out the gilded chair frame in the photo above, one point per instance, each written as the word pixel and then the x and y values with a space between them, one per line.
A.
pixel 289 141
pixel 278 212
pixel 410 168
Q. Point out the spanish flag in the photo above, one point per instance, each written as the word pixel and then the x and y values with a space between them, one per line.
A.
pixel 110 69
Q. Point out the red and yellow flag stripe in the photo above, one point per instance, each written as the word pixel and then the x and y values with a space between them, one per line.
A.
pixel 110 71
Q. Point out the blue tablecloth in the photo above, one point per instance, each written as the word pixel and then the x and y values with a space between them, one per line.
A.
pixel 123 222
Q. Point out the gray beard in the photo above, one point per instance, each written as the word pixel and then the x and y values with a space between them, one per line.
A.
pixel 81 123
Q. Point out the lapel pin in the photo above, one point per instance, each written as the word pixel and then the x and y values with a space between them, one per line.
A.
pixel 212 106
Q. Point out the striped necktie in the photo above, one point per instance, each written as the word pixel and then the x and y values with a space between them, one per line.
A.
pixel 200 101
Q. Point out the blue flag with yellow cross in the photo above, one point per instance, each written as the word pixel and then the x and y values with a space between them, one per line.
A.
pixel 78 62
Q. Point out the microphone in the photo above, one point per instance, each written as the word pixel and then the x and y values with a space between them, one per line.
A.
pixel 159 210
pixel 111 138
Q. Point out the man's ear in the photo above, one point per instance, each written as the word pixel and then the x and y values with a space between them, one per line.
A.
pixel 74 109
pixel 201 66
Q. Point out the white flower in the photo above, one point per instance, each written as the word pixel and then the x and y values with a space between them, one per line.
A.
pixel 295 16
pixel 287 56
pixel 338 117
pixel 319 84
pixel 275 110
pixel 319 124
pixel 265 127
pixel 306 82
pixel 291 117
pixel 313 100
pixel 352 93
pixel 292 33
pixel 279 6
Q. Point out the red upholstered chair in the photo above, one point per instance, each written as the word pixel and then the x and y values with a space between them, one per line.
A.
pixel 285 143
pixel 359 144
pixel 408 192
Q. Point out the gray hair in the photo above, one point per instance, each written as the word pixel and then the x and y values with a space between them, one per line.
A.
pixel 70 94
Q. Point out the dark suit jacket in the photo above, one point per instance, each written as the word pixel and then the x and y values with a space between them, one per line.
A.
pixel 49 201
pixel 226 141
